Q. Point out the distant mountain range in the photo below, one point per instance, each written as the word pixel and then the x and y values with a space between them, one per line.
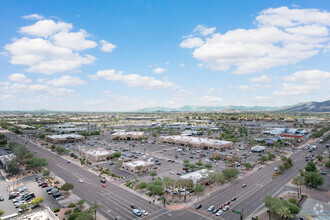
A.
pixel 301 107
pixel 307 107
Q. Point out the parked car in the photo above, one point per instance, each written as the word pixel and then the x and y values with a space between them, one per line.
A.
pixel 2 198
pixel 59 198
pixel 52 191
pixel 44 185
pixel 22 189
pixel 137 212
pixel 220 212
pixel 226 208
pixel 198 206
pixel 210 209
pixel 57 194
pixel 35 206
pixel 41 183
pixel 80 181
pixel 215 211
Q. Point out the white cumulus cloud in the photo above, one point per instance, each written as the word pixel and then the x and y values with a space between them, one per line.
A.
pixel 134 80
pixel 33 16
pixel 204 30
pixel 283 36
pixel 74 40
pixel 192 42
pixel 159 70
pixel 19 78
pixel 66 81
pixel 106 46
pixel 261 79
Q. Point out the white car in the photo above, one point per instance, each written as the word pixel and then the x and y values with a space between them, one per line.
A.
pixel 80 181
pixel 220 212
pixel 210 209
pixel 143 212
pixel 172 173
pixel 137 212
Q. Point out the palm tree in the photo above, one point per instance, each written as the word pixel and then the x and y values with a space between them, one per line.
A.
pixel 284 212
pixel 267 200
pixel 93 208
pixel 283 158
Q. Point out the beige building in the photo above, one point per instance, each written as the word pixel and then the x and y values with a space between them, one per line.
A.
pixel 196 142
pixel 121 135
pixel 97 154
pixel 64 138
pixel 137 166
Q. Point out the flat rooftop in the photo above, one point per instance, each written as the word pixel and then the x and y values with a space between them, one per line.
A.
pixel 197 175
pixel 136 163
pixel 99 152
pixel 64 136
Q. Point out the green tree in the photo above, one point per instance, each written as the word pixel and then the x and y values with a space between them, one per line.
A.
pixel 199 189
pixel 311 167
pixel 319 157
pixel 2 212
pixel 327 164
pixel 81 202
pixel 199 163
pixel 153 174
pixel 186 165
pixel 192 166
pixel 37 200
pixel 230 173
pixel 93 208
pixel 12 166
pixel 157 190
pixel 283 159
pixel 36 162
pixel 271 156
pixel 267 200
pixel 60 150
pixel 208 166
pixel 247 165
pixel 67 186
pixel 53 147
pixel 186 161
pixel 46 172
pixel 142 185
pixel 116 155
pixel 263 158
pixel 312 179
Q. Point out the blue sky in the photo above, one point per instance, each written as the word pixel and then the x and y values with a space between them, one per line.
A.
pixel 128 55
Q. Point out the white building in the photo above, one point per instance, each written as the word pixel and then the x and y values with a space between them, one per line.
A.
pixel 258 149
pixel 121 135
pixel 98 154
pixel 197 177
pixel 137 166
pixel 64 138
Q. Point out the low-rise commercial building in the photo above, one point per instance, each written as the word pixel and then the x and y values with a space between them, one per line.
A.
pixel 98 154
pixel 121 135
pixel 64 138
pixel 137 166
pixel 199 177
pixel 258 149
pixel 222 155
pixel 41 213
pixel 196 142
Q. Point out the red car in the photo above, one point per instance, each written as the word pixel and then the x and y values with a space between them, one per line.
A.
pixel 104 186
pixel 44 185
pixel 221 206
pixel 227 203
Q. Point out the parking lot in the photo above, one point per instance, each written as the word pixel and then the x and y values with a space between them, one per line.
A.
pixel 32 186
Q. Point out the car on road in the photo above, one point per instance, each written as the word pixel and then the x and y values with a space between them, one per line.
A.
pixel 111 163
pixel 68 161
pixel 227 203
pixel 233 199
pixel 133 206
pixel 137 212
pixel 198 206
pixel 103 180
pixel 221 206
pixel 104 186
pixel 143 212
pixel 210 209
pixel 80 181
pixel 226 208
pixel 220 212
pixel 172 173
pixel 215 211
pixel 244 185
pixel 2 198
pixel 276 168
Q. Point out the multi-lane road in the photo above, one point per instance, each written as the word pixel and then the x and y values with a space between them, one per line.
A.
pixel 115 201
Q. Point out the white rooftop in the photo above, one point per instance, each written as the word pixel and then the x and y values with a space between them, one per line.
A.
pixel 61 136
pixel 197 175
pixel 137 163
pixel 128 133
pixel 98 152
pixel 197 139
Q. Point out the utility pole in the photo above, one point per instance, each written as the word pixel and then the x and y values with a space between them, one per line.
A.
pixel 242 214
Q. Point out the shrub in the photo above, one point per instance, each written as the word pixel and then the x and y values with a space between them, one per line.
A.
pixel 71 205
pixel 56 210
pixel 77 209
pixel 293 201
pixel 293 208
pixel 56 182
pixel 67 211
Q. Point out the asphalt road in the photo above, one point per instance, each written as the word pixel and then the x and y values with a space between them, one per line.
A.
pixel 115 201
pixel 259 184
